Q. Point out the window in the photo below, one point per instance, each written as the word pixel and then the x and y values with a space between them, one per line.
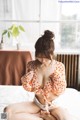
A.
pixel 38 15
pixel 70 27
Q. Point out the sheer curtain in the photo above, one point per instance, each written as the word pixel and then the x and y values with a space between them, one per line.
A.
pixel 5 14
pixel 35 16
pixel 26 13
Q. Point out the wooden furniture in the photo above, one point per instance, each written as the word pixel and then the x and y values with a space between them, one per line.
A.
pixel 13 66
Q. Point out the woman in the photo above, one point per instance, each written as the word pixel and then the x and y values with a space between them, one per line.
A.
pixel 46 78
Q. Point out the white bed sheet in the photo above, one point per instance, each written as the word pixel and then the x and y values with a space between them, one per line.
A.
pixel 12 94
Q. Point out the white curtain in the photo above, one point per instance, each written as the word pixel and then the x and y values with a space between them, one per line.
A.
pixel 35 16
pixel 27 11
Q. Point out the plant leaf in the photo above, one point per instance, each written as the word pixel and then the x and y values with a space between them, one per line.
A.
pixel 21 28
pixel 8 34
pixel 4 32
pixel 11 27
pixel 15 32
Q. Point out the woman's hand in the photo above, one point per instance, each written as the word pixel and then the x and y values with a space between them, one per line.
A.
pixel 44 114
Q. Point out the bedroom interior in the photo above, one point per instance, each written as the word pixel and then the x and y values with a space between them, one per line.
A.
pixel 36 16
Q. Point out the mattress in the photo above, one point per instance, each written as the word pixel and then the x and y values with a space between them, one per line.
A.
pixel 13 94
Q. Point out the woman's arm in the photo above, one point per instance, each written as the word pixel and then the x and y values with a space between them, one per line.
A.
pixel 28 77
pixel 26 81
pixel 58 79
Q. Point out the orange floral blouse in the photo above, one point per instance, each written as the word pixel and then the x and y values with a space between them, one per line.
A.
pixel 56 84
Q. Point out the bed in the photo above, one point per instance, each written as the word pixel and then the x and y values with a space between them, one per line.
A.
pixel 11 90
pixel 13 94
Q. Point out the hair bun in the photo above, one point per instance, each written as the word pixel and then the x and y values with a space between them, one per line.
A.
pixel 48 34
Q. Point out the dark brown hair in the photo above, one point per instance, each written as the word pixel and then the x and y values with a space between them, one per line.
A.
pixel 45 45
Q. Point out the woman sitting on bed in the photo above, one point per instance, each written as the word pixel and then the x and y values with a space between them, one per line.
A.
pixel 46 78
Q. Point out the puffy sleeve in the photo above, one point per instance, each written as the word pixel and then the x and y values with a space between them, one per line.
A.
pixel 28 78
pixel 58 79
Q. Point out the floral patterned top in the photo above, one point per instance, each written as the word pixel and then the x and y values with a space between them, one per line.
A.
pixel 56 84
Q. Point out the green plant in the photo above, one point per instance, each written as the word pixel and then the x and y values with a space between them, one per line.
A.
pixel 13 31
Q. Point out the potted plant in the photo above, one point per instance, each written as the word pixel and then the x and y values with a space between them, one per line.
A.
pixel 13 31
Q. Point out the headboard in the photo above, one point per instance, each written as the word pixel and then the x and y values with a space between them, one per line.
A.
pixel 13 66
